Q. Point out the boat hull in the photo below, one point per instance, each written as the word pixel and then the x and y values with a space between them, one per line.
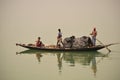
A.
pixel 95 48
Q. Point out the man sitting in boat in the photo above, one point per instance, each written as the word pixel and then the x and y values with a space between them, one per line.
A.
pixel 39 43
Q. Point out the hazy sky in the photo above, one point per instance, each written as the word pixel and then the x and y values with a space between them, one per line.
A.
pixel 44 17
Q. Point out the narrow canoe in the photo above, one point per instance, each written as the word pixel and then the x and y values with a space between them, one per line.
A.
pixel 95 48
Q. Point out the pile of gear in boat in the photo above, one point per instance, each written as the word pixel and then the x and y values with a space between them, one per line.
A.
pixel 80 42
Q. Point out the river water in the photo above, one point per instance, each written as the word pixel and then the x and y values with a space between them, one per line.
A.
pixel 19 63
pixel 22 21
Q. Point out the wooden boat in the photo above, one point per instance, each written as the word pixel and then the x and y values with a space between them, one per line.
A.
pixel 95 48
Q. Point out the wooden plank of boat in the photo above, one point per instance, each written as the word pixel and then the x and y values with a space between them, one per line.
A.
pixel 95 48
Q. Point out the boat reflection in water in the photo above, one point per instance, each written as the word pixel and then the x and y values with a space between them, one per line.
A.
pixel 73 58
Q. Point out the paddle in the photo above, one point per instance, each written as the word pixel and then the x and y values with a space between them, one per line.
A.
pixel 103 45
pixel 112 44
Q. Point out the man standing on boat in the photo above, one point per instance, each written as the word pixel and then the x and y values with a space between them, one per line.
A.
pixel 94 34
pixel 59 38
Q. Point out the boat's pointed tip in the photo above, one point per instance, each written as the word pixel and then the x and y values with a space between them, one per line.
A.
pixel 17 44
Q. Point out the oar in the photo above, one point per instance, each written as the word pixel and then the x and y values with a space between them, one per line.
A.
pixel 103 45
pixel 112 44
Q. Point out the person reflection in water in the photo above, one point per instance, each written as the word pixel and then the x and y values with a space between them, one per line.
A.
pixel 94 67
pixel 38 55
pixel 59 57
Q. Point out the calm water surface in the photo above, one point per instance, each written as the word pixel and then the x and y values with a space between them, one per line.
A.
pixel 22 64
